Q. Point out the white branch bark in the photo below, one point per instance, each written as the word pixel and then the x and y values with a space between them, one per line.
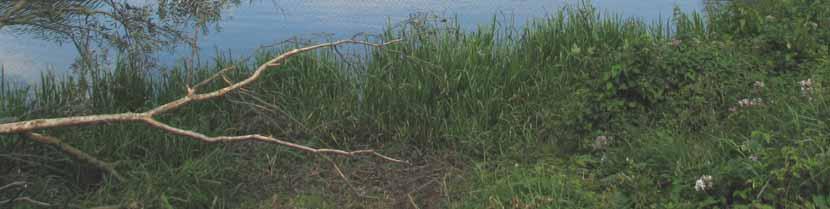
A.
pixel 193 95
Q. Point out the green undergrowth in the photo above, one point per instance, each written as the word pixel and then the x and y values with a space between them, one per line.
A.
pixel 577 110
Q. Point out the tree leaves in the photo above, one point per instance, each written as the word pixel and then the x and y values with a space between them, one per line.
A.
pixel 135 30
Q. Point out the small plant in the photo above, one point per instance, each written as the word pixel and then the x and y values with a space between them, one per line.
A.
pixel 704 183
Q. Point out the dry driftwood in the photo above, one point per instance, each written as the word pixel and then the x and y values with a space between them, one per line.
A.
pixel 27 128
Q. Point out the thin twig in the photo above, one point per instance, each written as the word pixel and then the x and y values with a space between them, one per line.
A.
pixel 346 179
pixel 78 154
pixel 270 107
pixel 412 201
pixel 213 77
pixel 27 127
pixel 26 199
pixel 257 137
pixel 16 183
pixel 32 162
pixel 341 174
pixel 38 124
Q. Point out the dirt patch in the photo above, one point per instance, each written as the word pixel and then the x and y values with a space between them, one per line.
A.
pixel 369 183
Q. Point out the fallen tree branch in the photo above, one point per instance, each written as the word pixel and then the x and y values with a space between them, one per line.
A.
pixel 256 137
pixel 192 96
pixel 13 184
pixel 27 127
pixel 26 199
pixel 76 153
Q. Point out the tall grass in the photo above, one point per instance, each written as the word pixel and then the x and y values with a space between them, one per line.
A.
pixel 524 110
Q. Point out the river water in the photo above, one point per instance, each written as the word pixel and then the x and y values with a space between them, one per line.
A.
pixel 250 26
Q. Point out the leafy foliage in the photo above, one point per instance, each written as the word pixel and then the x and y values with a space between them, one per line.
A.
pixel 96 26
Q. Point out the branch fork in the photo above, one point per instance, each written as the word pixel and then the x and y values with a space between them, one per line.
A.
pixel 28 128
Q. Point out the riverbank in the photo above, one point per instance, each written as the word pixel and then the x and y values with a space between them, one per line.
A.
pixel 241 30
pixel 581 110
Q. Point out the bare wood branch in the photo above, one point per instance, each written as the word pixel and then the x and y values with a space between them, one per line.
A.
pixel 228 80
pixel 213 77
pixel 78 154
pixel 32 125
pixel 26 127
pixel 13 184
pixel 342 175
pixel 412 201
pixel 253 77
pixel 266 106
pixel 26 199
pixel 256 137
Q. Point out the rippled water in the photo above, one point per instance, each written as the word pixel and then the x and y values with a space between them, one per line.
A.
pixel 264 22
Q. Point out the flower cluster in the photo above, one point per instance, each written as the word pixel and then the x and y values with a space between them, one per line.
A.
pixel 704 183
pixel 758 85
pixel 807 88
pixel 750 102
pixel 747 103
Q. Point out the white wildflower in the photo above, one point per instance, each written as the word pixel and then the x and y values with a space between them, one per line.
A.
pixel 807 88
pixel 753 158
pixel 806 85
pixel 750 102
pixel 700 185
pixel 811 24
pixel 704 183
pixel 758 85
pixel 744 102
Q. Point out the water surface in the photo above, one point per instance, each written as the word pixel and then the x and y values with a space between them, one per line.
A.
pixel 250 26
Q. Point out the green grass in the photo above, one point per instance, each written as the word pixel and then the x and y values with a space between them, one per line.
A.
pixel 492 119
